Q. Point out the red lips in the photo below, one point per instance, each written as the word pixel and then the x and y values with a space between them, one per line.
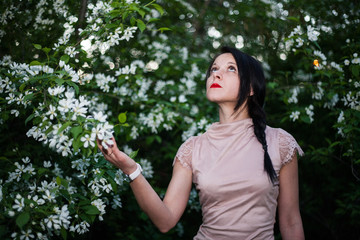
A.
pixel 215 85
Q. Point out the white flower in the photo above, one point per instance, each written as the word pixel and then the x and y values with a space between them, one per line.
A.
pixel 61 63
pixel 106 143
pixel 38 200
pixel 26 235
pixel 309 112
pixel 182 99
pixel 15 112
pixel 71 51
pixel 79 110
pixel 64 216
pixel 49 196
pixel 293 98
pixel 346 62
pixel 19 203
pixel 299 41
pixel 116 202
pixel 52 222
pixel 29 169
pixel 294 115
pixel 10 98
pixel 47 164
pixel 312 33
pixel 134 132
pixel 147 168
pixel 11 213
pixel 52 112
pixel 26 160
pixel 128 33
pixel 65 105
pixel 88 140
pixel 341 117
pixel 100 116
pixel 80 228
pixel 100 206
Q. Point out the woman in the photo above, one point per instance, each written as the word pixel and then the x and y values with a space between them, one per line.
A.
pixel 243 169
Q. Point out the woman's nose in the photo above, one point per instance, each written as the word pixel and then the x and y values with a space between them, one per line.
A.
pixel 218 74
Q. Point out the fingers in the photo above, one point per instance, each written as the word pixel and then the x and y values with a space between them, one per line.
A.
pixel 109 149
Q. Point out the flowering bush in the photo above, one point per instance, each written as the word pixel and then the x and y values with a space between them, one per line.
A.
pixel 61 102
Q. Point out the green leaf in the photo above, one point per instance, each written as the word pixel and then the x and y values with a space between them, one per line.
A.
pixel 29 118
pixel 134 8
pixel 74 85
pixel 122 117
pixel 34 63
pixel 132 21
pixel 63 233
pixel 22 86
pixel 76 144
pixel 29 97
pixel 141 25
pixel 65 58
pixel 46 50
pixel 115 13
pixel 58 181
pixel 158 8
pixel 355 70
pixel 91 210
pixel 141 12
pixel 164 29
pixel 296 19
pixel 22 219
pixel 65 125
pixel 49 130
pixel 37 120
pixel 133 154
pixel 42 170
pixel 37 46
pixel 153 20
pixel 59 81
pixel 111 25
pixel 75 131
pixel 158 139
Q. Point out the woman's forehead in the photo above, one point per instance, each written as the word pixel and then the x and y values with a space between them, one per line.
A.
pixel 224 58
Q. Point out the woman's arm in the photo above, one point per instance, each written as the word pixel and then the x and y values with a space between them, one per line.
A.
pixel 288 202
pixel 164 214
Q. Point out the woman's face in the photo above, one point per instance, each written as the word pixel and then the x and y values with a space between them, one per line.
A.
pixel 223 83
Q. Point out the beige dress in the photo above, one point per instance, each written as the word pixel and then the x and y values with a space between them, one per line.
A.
pixel 237 198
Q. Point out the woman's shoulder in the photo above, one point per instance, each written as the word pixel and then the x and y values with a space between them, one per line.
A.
pixel 277 132
pixel 286 143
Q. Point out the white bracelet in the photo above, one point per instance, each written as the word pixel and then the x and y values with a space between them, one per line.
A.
pixel 136 173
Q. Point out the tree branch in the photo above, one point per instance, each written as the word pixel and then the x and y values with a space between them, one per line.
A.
pixel 82 14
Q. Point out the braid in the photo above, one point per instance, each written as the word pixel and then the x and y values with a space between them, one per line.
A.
pixel 257 114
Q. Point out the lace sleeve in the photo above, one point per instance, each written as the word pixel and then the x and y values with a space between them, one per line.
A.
pixel 287 147
pixel 184 154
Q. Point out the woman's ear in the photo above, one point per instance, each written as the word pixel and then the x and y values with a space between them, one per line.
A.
pixel 251 92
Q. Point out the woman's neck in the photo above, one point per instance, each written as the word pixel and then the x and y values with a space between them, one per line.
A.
pixel 227 114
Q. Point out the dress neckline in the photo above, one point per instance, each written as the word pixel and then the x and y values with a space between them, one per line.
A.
pixel 218 129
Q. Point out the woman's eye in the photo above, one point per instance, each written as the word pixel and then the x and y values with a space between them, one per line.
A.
pixel 232 69
pixel 213 69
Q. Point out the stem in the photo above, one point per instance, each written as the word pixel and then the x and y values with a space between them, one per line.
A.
pixel 149 3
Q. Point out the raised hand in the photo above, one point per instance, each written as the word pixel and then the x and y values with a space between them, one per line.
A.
pixel 116 157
